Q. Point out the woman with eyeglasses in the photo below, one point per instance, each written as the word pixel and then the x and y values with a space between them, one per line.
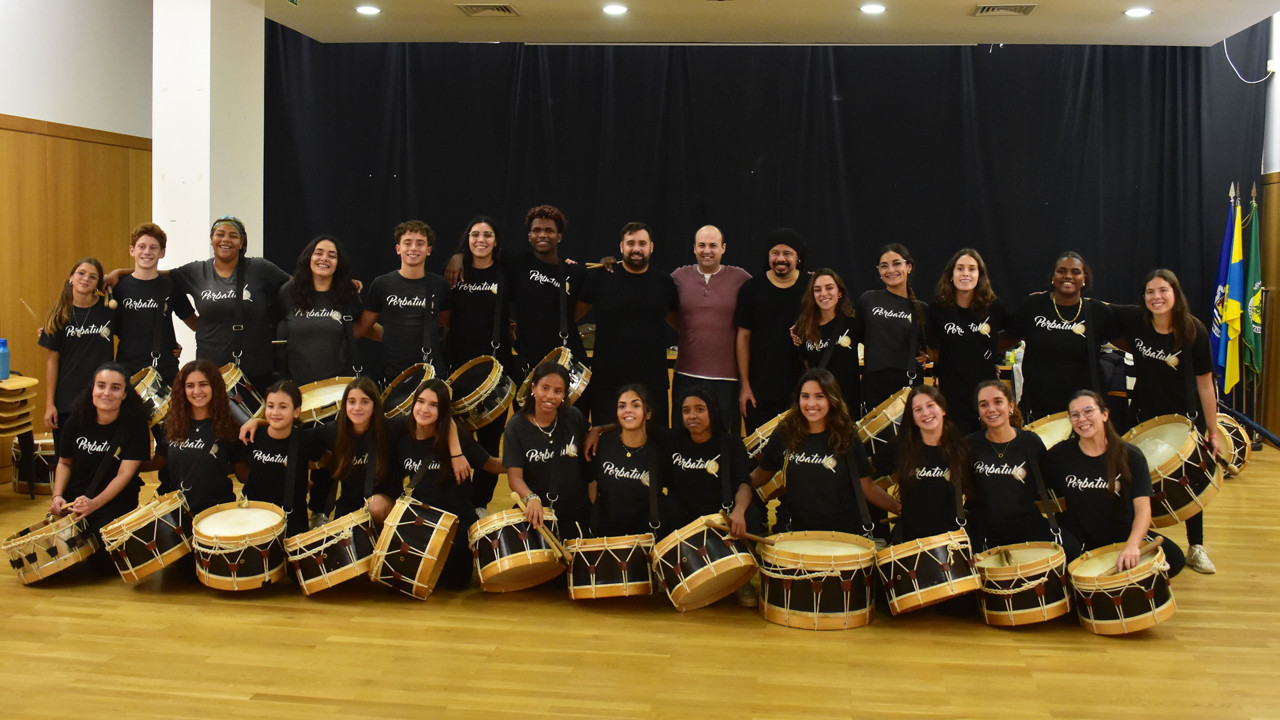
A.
pixel 1105 484
pixel 77 336
pixel 891 328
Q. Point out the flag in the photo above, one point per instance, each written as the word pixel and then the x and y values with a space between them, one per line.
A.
pixel 1253 293
pixel 1232 309
pixel 1220 291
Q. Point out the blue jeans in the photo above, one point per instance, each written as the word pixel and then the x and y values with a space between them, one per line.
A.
pixel 725 393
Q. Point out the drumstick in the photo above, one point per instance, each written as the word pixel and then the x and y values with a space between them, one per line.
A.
pixel 29 310
pixel 1145 549
pixel 565 555
pixel 711 523
pixel 111 302
pixel 594 266
pixel 1005 556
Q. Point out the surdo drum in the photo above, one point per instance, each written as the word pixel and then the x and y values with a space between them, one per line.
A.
pixel 239 546
pixel 700 563
pixel 154 393
pixel 608 567
pixel 926 571
pixel 245 400
pixel 481 391
pixel 1234 436
pixel 1023 584
pixel 817 580
pixel 1184 474
pixel 398 398
pixel 150 537
pixel 51 545
pixel 878 428
pixel 579 376
pixel 322 399
pixel 332 553
pixel 510 554
pixel 46 460
pixel 1111 603
pixel 413 546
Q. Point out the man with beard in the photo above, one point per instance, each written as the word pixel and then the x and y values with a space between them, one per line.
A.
pixel 708 296
pixel 768 361
pixel 631 307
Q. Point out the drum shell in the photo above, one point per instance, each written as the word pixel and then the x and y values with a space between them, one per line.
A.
pixel 245 401
pixel 842 598
pixel 1241 445
pixel 46 461
pixel 755 442
pixel 1126 602
pixel 332 553
pixel 1045 598
pixel 413 547
pixel 154 393
pixel 149 538
pixel 260 560
pixel 699 565
pixel 912 582
pixel 398 398
pixel 510 554
pixel 610 567
pixel 579 375
pixel 478 406
pixel 1183 484
pixel 49 546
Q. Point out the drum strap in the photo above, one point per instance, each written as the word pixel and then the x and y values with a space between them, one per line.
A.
pixel 237 322
pixel 830 349
pixel 501 297
pixel 371 467
pixel 349 357
pixel 851 467
pixel 430 325
pixel 1044 499
pixel 1090 338
pixel 157 331
pixel 960 519
pixel 113 453
pixel 564 305
pixel 655 480
pixel 292 463
pixel 726 472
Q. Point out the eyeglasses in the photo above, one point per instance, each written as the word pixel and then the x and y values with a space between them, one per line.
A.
pixel 894 264
pixel 1086 413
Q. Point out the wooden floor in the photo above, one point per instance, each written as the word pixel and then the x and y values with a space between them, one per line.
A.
pixel 79 646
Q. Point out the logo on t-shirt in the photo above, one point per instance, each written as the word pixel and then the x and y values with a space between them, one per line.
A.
pixel 1079 483
pixel 272 458
pixel 84 444
pixel 318 313
pixel 1170 359
pixel 82 330
pixel 216 295
pixel 141 304
pixel 625 473
pixel 538 277
pixel 1048 324
pixel 1017 472
pixel 489 287
pixel 933 472
pixel 188 444
pixel 403 302
pixel 892 314
pixel 826 461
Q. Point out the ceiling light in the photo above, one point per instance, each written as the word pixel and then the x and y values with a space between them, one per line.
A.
pixel 368 10
pixel 1138 12
pixel 615 9
pixel 872 9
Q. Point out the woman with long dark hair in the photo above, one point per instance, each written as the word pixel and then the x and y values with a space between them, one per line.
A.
pixel 1105 483
pixel 267 456
pixel 77 334
pixel 705 460
pixel 359 459
pixel 200 447
pixel 965 322
pixel 933 468
pixel 320 306
pixel 891 323
pixel 1172 374
pixel 827 332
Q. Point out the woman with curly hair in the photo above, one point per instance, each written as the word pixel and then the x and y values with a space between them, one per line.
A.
pixel 965 322
pixel 199 444
pixel 826 330
pixel 818 445
pixel 933 467
pixel 320 306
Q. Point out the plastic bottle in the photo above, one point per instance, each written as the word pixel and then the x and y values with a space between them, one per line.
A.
pixel 4 359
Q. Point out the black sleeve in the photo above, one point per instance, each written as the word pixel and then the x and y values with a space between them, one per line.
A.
pixel 860 459
pixel 471 449
pixel 742 312
pixel 1201 362
pixel 179 303
pixel 741 464
pixel 136 444
pixel 771 453
pixel 1139 474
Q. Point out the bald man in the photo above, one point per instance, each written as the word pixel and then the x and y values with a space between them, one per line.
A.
pixel 708 296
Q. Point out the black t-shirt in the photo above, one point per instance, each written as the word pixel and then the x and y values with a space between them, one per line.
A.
pixel 400 303
pixel 82 345
pixel 142 306
pixel 438 487
pixel 631 311
pixel 769 311
pixel 889 331
pixel 1159 387
pixel 843 360
pixel 200 464
pixel 1004 484
pixel 623 478
pixel 1056 361
pixel 1099 511
pixel 552 465
pixel 535 307
pixel 968 350
pixel 820 494
pixel 215 300
pixel 89 445
pixel 351 494
pixel 692 490
pixel 319 339
pixel 267 459
pixel 928 502
pixel 472 302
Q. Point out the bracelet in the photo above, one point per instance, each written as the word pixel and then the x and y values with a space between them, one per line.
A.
pixel 456 456
pixel 532 496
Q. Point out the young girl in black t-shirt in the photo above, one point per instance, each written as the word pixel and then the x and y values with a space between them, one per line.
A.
pixel 359 444
pixel 77 335
pixel 629 469
pixel 200 446
pixel 825 328
pixel 704 459
pixel 1105 483
pixel 268 456
pixel 891 324
pixel 933 468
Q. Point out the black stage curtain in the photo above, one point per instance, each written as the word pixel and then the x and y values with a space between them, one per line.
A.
pixel 1123 154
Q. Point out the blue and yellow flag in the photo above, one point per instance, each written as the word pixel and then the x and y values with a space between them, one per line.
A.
pixel 1220 290
pixel 1229 308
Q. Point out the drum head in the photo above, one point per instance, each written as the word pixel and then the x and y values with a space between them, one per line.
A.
pixel 322 398
pixel 396 399
pixel 472 381
pixel 1162 439
pixel 1052 429
pixel 237 521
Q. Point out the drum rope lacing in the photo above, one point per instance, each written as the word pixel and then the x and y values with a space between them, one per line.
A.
pixel 127 534
pixel 1195 496
pixel 331 540
pixel 1158 567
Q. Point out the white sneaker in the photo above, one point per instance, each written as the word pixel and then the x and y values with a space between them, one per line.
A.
pixel 1198 560
pixel 747 596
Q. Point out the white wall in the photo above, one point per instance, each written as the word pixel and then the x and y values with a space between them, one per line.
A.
pixel 78 62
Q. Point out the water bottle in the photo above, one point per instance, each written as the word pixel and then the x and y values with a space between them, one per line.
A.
pixel 4 359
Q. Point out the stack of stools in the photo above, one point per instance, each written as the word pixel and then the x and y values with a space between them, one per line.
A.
pixel 16 395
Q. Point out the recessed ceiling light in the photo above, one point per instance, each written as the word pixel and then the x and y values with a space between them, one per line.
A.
pixel 872 8
pixel 615 9
pixel 1138 12
pixel 368 10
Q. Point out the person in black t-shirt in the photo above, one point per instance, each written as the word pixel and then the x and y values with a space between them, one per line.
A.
pixel 965 322
pixel 480 301
pixel 77 335
pixel 1106 485
pixel 147 302
pixel 891 328
pixel 540 449
pixel 1063 331
pixel 420 454
pixel 411 303
pixel 631 307
pixel 933 468
pixel 1006 475
pixel 629 469
pixel 359 444
pixel 768 361
pixel 818 446
pixel 710 470
pixel 200 448
pixel 826 331
pixel 320 307
pixel 268 456
pixel 1172 374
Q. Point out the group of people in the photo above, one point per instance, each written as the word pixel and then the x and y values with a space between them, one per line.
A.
pixel 750 348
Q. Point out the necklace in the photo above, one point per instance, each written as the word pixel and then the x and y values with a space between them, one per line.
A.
pixel 76 320
pixel 635 449
pixel 1001 451
pixel 1079 307
pixel 549 432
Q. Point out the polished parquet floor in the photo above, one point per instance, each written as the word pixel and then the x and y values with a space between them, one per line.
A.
pixel 79 646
